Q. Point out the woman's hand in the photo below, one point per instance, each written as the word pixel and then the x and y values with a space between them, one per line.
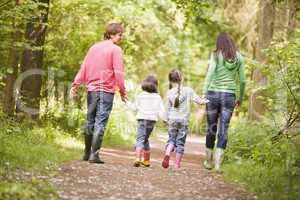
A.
pixel 237 103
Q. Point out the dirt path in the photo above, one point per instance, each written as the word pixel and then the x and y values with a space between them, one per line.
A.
pixel 117 179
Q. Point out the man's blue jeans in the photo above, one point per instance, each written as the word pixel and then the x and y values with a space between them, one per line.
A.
pixel 220 107
pixel 99 108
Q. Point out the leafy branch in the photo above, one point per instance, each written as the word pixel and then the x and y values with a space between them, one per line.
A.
pixel 293 116
pixel 4 4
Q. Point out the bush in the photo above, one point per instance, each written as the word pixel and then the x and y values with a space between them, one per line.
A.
pixel 269 168
pixel 28 150
pixel 120 129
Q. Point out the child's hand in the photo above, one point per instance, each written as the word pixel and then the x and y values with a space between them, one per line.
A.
pixel 125 104
pixel 203 100
pixel 124 98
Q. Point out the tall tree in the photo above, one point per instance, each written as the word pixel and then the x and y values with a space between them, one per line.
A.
pixel 9 100
pixel 266 16
pixel 29 101
pixel 284 60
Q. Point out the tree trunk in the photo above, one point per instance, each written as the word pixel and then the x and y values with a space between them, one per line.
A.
pixel 266 18
pixel 9 98
pixel 292 10
pixel 29 101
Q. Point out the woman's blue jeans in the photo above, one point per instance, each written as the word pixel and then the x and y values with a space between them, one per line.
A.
pixel 219 111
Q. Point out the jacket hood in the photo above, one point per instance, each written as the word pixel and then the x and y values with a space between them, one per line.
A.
pixel 229 65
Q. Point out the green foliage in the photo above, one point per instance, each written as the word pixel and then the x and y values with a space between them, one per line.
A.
pixel 283 88
pixel 32 148
pixel 32 190
pixel 206 14
pixel 13 19
pixel 26 151
pixel 157 38
pixel 121 128
pixel 271 170
pixel 29 147
pixel 70 118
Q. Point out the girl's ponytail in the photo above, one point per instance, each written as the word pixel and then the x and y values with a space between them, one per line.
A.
pixel 176 102
pixel 175 77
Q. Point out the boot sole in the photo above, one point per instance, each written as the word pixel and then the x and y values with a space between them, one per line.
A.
pixel 145 165
pixel 85 158
pixel 137 164
pixel 165 162
pixel 95 161
pixel 206 166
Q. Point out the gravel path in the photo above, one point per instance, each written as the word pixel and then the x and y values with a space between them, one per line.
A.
pixel 117 179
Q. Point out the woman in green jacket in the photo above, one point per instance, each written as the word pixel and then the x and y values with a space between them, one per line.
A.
pixel 226 66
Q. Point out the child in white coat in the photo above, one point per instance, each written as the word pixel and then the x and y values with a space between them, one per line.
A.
pixel 149 108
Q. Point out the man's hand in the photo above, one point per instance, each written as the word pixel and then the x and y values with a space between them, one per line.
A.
pixel 73 93
pixel 124 98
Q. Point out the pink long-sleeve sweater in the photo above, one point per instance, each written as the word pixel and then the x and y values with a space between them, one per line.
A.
pixel 102 69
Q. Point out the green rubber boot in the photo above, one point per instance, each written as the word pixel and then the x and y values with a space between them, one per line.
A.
pixel 208 163
pixel 96 145
pixel 219 155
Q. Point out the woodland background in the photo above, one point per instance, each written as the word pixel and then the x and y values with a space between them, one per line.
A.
pixel 43 43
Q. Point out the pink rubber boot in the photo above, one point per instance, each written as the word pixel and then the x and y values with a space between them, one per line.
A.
pixel 146 162
pixel 165 162
pixel 138 153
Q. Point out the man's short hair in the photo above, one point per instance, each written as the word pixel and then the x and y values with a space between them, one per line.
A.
pixel 113 29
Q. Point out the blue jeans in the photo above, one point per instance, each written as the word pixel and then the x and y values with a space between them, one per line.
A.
pixel 99 108
pixel 178 130
pixel 145 128
pixel 220 107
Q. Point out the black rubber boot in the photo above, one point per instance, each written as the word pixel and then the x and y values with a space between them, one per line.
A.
pixel 87 149
pixel 96 145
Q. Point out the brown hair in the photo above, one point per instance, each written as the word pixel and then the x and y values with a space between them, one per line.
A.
pixel 175 77
pixel 226 46
pixel 113 29
pixel 150 84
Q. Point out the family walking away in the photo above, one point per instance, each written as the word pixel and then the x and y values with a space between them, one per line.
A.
pixel 102 71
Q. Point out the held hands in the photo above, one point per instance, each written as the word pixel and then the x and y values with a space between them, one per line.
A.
pixel 124 98
pixel 203 99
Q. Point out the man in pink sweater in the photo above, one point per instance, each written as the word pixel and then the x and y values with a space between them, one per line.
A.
pixel 102 71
